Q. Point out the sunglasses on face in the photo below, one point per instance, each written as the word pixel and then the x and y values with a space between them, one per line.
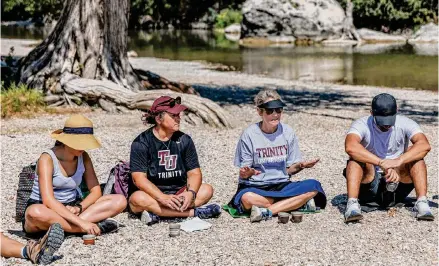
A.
pixel 270 111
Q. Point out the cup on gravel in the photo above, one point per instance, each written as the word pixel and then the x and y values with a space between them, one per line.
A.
pixel 89 239
pixel 283 217
pixel 174 230
pixel 296 217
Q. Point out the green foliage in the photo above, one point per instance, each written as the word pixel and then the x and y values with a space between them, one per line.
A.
pixel 227 17
pixel 21 100
pixel 393 14
pixel 179 13
pixel 222 42
pixel 36 9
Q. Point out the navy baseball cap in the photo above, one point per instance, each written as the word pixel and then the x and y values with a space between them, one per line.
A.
pixel 384 109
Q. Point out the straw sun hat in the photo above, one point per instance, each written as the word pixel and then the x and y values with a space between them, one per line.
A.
pixel 77 133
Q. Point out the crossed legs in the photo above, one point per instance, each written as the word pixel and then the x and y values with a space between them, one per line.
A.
pixel 39 217
pixel 249 199
pixel 141 201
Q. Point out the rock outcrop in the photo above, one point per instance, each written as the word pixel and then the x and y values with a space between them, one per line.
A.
pixel 314 20
pixel 373 36
pixel 426 34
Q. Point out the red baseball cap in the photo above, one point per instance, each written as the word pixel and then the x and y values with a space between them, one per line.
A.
pixel 168 104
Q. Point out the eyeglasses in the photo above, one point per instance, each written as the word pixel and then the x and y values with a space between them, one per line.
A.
pixel 270 111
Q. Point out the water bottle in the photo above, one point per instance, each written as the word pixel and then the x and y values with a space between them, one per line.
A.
pixel 390 186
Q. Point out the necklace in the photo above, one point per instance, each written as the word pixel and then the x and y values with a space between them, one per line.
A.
pixel 169 141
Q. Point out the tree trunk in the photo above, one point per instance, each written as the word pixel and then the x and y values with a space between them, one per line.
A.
pixel 89 42
pixel 349 30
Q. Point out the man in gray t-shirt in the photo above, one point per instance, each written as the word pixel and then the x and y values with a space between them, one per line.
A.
pixel 380 143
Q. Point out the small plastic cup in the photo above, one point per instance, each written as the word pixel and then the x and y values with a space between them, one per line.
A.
pixel 89 239
pixel 174 230
pixel 283 217
pixel 296 217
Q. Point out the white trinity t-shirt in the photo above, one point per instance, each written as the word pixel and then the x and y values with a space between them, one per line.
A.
pixel 385 145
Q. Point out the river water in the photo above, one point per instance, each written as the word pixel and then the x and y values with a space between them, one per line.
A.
pixel 390 65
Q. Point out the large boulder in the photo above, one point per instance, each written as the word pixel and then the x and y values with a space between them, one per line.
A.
pixel 425 48
pixel 427 33
pixel 314 20
pixel 373 36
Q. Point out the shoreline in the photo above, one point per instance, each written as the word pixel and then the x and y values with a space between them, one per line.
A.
pixel 201 72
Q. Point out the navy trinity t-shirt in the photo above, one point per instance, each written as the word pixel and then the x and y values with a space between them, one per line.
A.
pixel 165 163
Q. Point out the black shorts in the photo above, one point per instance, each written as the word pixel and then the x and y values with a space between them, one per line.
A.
pixel 376 191
pixel 32 202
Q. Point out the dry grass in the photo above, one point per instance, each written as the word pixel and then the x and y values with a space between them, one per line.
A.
pixel 21 101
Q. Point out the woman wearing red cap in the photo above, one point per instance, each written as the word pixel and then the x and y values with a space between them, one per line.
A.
pixel 56 196
pixel 166 174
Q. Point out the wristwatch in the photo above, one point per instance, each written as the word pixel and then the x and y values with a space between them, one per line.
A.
pixel 194 194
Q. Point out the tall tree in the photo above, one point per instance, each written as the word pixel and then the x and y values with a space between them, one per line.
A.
pixel 85 58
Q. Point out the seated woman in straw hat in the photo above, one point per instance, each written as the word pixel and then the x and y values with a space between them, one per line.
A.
pixel 268 155
pixel 56 197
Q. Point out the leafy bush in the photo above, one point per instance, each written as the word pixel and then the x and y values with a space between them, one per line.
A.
pixel 179 13
pixel 21 100
pixel 227 17
pixel 393 14
pixel 36 9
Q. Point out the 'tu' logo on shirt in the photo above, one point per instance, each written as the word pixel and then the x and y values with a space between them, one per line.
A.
pixel 167 160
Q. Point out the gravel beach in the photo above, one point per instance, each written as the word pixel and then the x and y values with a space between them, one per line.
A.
pixel 320 115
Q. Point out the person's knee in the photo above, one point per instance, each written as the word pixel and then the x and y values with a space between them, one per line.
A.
pixel 418 163
pixel 205 192
pixel 140 199
pixel 248 198
pixel 119 202
pixel 36 213
pixel 356 170
pixel 311 194
pixel 407 170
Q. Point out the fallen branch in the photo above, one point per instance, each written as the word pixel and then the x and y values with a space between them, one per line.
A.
pixel 109 96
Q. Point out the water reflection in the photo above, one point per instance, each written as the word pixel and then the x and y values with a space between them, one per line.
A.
pixel 391 65
pixel 329 64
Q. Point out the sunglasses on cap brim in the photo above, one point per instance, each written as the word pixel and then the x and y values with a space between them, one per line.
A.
pixel 171 102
